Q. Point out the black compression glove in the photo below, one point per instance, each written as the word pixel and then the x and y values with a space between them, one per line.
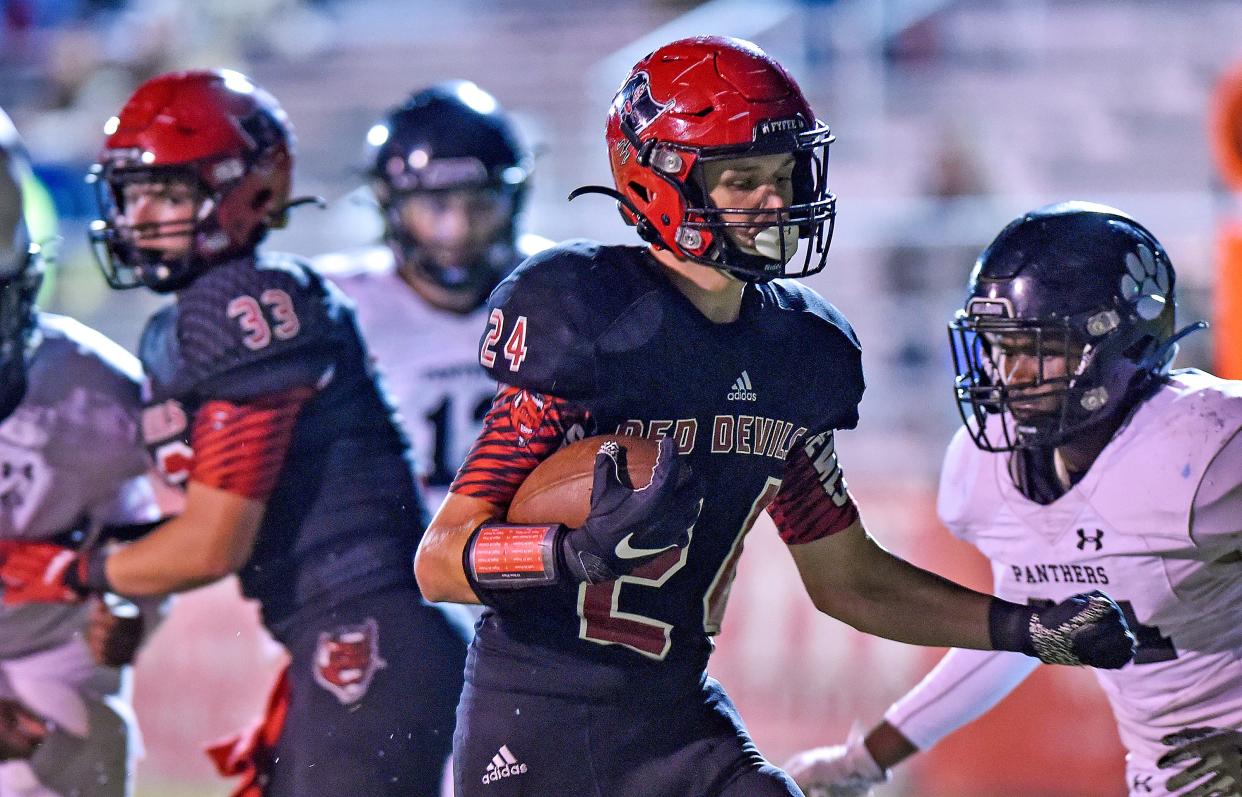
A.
pixel 1084 629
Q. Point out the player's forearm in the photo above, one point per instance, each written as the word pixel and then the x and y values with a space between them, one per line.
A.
pixel 156 565
pixel 960 688
pixel 897 600
pixel 851 577
pixel 438 563
pixel 438 568
pixel 210 540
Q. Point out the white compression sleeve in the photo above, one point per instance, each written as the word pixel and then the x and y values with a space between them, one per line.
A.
pixel 964 685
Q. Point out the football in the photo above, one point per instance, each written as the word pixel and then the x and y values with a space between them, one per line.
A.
pixel 558 490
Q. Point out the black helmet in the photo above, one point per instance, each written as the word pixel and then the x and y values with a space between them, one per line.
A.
pixel 450 137
pixel 1064 278
pixel 21 271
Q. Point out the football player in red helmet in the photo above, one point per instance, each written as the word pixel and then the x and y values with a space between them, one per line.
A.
pixel 587 673
pixel 262 405
pixel 724 165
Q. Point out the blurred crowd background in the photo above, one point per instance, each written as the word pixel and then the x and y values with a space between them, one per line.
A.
pixel 951 118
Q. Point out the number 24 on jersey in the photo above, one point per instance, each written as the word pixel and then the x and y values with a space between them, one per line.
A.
pixel 515 347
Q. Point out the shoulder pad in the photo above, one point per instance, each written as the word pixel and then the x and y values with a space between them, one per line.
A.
pixel 957 501
pixel 355 263
pixel 796 297
pixel 544 319
pixel 243 313
pixel 801 317
pixel 1192 412
pixel 72 354
pixel 529 244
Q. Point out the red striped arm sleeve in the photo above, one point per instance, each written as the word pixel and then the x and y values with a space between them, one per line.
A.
pixel 813 501
pixel 241 447
pixel 522 429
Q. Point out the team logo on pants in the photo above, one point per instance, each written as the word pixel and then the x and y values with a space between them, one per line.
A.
pixel 347 658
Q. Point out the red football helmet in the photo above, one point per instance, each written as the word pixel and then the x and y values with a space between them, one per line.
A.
pixel 708 98
pixel 215 131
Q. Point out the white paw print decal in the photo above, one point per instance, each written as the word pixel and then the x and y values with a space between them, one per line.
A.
pixel 1146 283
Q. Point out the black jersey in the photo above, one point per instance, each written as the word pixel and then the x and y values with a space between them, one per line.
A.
pixel 602 327
pixel 345 515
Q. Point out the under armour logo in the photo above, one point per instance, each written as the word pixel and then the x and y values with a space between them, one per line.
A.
pixel 1084 538
pixel 1142 783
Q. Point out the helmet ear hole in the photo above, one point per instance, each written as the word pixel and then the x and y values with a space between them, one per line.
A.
pixel 640 191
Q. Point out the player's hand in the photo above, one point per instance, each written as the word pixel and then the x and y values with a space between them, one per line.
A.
pixel 1212 758
pixel 839 770
pixel 21 730
pixel 40 572
pixel 114 632
pixel 1083 629
pixel 1087 628
pixel 626 527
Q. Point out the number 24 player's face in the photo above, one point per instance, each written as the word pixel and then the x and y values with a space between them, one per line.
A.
pixel 750 183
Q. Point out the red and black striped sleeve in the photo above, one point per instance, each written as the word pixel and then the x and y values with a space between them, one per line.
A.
pixel 240 447
pixel 521 429
pixel 813 501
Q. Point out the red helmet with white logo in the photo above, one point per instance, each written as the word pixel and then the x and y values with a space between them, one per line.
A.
pixel 709 98
pixel 217 132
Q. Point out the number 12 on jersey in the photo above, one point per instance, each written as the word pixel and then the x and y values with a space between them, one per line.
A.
pixel 515 347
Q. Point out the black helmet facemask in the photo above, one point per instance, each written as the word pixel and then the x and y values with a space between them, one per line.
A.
pixel 448 138
pixel 1072 279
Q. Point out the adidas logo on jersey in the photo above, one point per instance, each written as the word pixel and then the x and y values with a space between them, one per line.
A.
pixel 742 389
pixel 503 765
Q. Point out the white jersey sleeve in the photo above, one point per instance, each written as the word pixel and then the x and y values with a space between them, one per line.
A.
pixel 963 686
pixel 1216 517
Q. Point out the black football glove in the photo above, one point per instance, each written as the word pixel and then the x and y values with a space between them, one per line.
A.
pixel 1213 753
pixel 1083 629
pixel 627 526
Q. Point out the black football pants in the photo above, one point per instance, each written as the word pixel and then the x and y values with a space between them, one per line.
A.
pixel 510 744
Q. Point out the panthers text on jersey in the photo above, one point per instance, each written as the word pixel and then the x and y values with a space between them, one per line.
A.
pixel 596 339
pixel 1156 523
pixel 428 358
pixel 248 329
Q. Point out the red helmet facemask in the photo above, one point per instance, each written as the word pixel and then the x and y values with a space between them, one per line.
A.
pixel 707 99
pixel 217 134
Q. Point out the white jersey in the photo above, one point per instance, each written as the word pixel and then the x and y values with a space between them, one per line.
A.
pixel 71 462
pixel 1156 523
pixel 428 358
